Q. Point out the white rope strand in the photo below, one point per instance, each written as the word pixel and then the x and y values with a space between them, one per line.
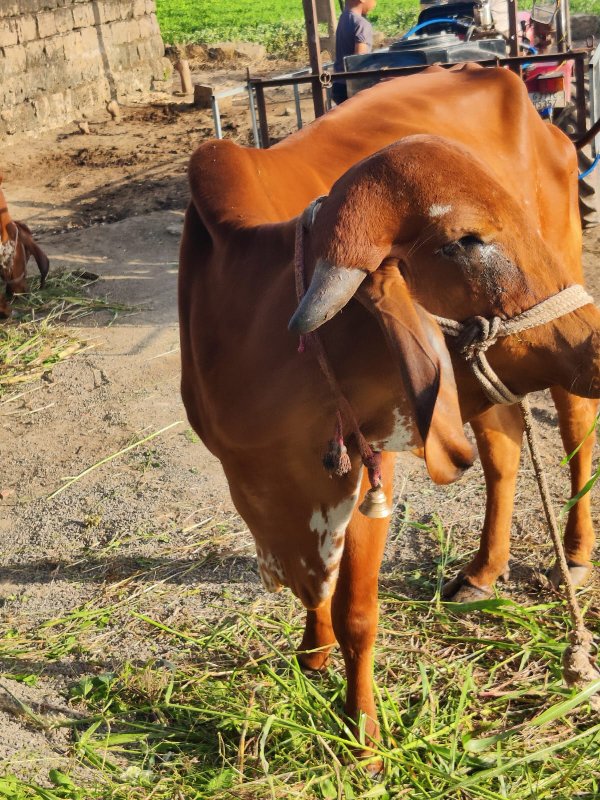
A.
pixel 478 334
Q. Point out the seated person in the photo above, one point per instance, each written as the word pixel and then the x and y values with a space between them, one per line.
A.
pixel 354 35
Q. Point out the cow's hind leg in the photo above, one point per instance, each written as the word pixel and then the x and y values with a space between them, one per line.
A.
pixel 318 638
pixel 499 434
pixel 355 609
pixel 576 417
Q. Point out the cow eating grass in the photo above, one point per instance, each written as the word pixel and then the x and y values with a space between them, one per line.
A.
pixel 434 220
pixel 17 246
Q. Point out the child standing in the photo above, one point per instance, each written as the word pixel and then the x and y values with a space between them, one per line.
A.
pixel 354 36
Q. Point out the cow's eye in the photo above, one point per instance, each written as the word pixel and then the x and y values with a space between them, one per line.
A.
pixel 470 240
pixel 459 246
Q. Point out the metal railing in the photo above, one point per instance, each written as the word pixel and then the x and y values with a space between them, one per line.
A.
pixel 254 88
pixel 514 63
pixel 249 89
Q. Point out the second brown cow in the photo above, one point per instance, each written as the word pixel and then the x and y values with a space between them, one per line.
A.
pixel 16 248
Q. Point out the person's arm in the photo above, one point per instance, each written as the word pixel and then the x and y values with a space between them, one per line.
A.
pixel 360 48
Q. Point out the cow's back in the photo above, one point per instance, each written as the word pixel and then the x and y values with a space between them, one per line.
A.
pixel 488 110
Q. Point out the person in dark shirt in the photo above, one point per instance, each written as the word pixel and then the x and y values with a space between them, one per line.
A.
pixel 354 35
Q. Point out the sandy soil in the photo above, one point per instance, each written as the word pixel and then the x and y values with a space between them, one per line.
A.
pixel 112 202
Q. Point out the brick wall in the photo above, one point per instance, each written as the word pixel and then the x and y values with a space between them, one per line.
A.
pixel 59 58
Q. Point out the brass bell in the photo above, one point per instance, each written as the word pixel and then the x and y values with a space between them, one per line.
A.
pixel 375 504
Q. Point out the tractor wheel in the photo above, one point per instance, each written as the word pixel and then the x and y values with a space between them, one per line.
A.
pixel 589 187
pixel 589 190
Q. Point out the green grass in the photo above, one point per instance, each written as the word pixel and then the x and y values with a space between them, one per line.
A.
pixel 470 698
pixel 278 24
pixel 35 338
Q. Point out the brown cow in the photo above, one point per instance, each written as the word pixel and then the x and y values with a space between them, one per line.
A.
pixel 444 222
pixel 16 248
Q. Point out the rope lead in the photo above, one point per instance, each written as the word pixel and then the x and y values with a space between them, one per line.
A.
pixel 578 664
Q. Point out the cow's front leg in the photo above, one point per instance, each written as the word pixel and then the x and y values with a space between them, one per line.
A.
pixel 318 638
pixel 355 609
pixel 576 417
pixel 499 434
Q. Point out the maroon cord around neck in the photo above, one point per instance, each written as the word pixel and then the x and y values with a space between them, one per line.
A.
pixel 334 459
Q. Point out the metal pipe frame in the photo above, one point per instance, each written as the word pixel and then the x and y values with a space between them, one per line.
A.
pixel 216 116
pixel 249 89
pixel 514 62
pixel 594 78
pixel 580 95
pixel 513 28
pixel 252 107
pixel 298 106
pixel 391 72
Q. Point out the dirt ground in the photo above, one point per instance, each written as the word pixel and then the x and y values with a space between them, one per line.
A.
pixel 112 202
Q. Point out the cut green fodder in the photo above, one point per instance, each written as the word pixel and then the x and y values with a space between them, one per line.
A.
pixel 30 349
pixel 64 298
pixel 35 339
pixel 470 701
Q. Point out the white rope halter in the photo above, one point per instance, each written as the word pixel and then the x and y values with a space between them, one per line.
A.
pixel 478 334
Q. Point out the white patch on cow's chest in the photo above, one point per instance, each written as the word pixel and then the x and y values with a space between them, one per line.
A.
pixel 330 527
pixel 437 210
pixel 401 437
pixel 270 570
pixel 7 255
pixel 319 557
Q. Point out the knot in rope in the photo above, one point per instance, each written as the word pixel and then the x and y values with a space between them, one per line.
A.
pixel 477 335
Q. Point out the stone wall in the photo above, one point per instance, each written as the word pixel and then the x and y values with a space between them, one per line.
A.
pixel 62 58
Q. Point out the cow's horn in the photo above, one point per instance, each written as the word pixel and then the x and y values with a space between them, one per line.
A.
pixel 330 289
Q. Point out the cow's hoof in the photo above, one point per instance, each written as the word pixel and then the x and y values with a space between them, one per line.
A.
pixel 313 662
pixel 461 590
pixel 373 766
pixel 579 574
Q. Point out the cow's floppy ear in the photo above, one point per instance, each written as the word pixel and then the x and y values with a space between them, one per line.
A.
pixel 423 360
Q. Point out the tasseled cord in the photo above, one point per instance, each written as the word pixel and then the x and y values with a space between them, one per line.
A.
pixel 336 459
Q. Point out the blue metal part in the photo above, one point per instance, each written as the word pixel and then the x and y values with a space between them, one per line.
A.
pixel 429 22
pixel 591 168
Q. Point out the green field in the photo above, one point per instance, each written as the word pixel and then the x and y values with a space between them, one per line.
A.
pixel 275 23
pixel 278 24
